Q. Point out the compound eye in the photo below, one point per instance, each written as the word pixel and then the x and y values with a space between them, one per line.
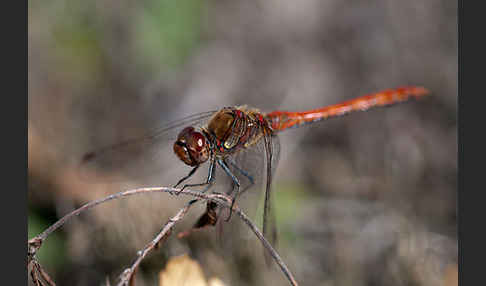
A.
pixel 185 134
pixel 191 147
pixel 198 148
pixel 182 153
pixel 199 141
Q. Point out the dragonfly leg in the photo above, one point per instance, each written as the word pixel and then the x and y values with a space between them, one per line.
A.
pixel 210 179
pixel 208 183
pixel 236 182
pixel 186 177
pixel 244 173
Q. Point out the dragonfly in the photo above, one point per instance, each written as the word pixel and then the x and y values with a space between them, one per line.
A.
pixel 218 138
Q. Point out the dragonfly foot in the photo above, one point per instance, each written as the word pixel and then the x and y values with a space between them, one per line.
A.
pixel 181 190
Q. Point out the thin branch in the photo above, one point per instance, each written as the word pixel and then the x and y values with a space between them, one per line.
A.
pixel 128 275
pixel 44 275
pixel 38 274
pixel 268 246
pixel 35 243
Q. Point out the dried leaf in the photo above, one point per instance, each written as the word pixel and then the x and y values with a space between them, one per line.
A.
pixel 215 282
pixel 182 270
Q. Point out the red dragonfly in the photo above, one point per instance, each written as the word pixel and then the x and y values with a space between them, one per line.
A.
pixel 219 137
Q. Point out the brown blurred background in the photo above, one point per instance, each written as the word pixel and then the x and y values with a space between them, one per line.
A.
pixel 367 199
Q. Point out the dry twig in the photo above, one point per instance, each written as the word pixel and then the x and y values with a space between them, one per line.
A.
pixel 128 275
pixel 38 274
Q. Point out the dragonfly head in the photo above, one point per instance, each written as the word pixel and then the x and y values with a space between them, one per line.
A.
pixel 191 147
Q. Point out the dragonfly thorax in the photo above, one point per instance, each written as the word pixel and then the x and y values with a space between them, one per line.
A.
pixel 232 129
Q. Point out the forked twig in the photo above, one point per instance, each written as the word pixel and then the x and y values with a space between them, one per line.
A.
pixel 38 274
pixel 128 275
pixel 36 242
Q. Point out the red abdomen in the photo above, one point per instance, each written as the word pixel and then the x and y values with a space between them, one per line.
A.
pixel 281 120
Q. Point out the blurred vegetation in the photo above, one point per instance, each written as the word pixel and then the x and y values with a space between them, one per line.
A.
pixel 168 31
pixel 365 194
pixel 52 254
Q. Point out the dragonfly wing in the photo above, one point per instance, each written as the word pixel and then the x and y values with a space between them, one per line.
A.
pixel 248 166
pixel 138 157
pixel 272 152
pixel 255 168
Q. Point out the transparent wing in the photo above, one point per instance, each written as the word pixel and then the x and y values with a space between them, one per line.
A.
pixel 249 166
pixel 142 156
pixel 272 152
